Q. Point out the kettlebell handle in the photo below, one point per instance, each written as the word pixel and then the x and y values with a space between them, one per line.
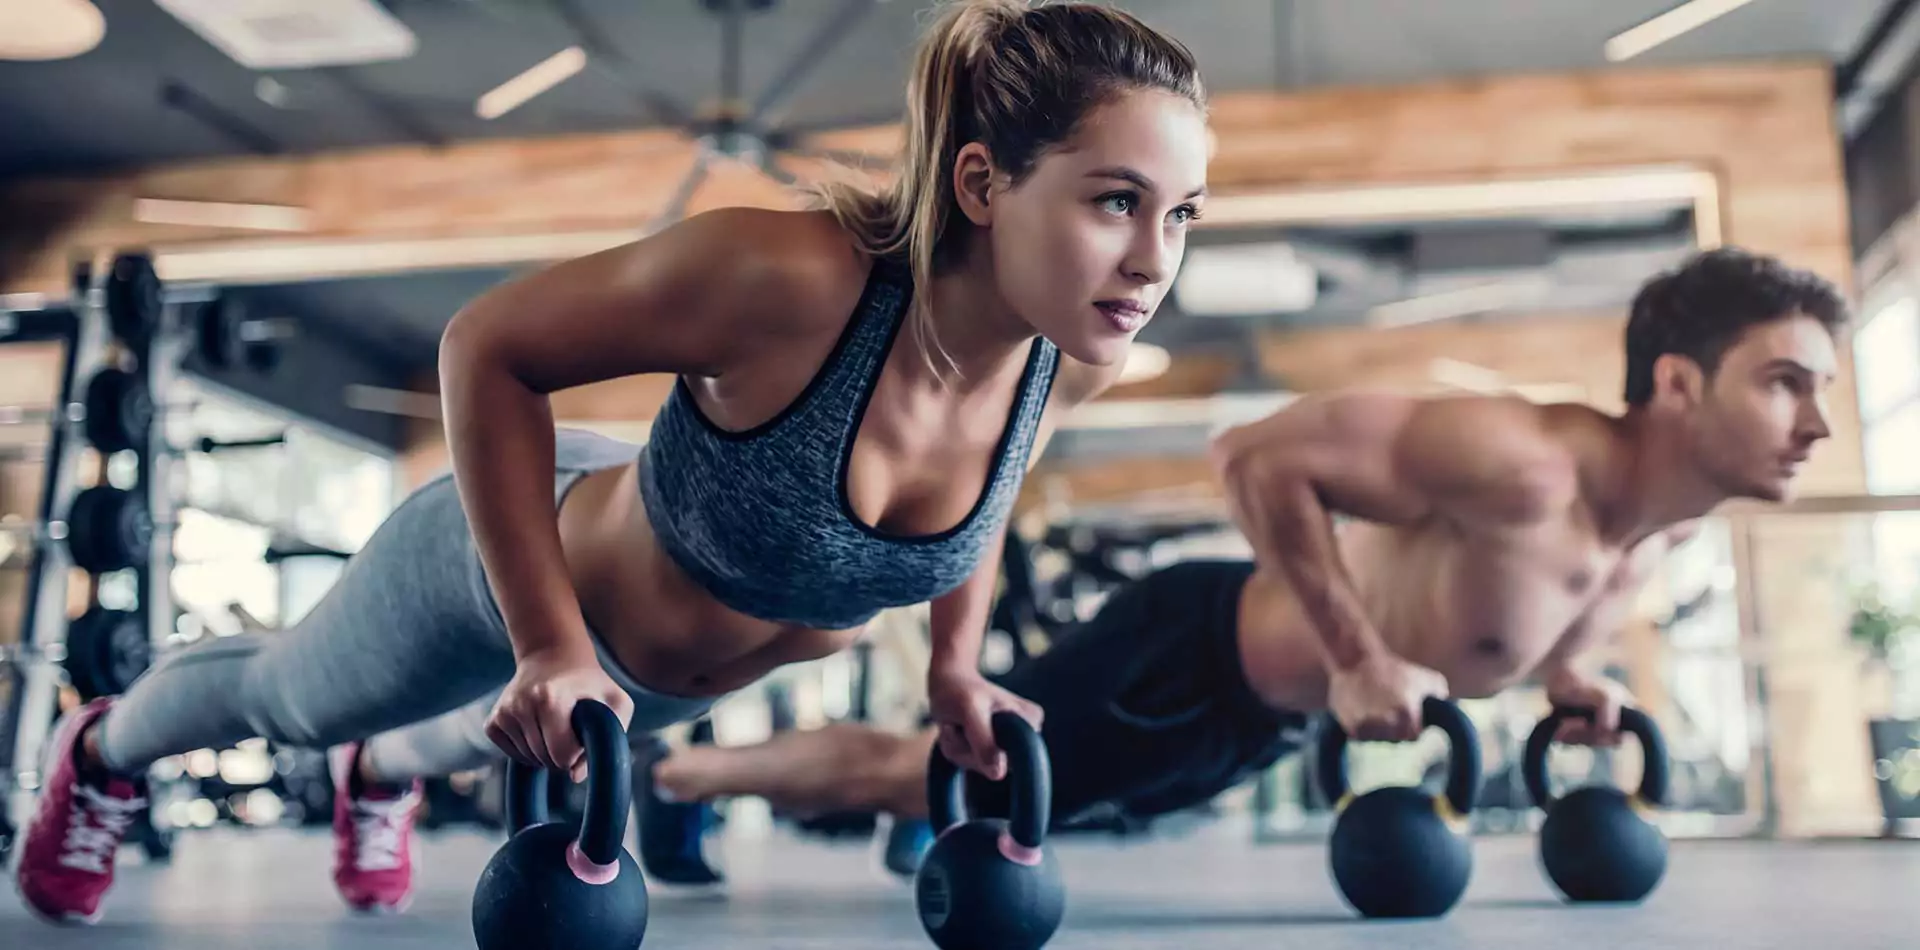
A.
pixel 603 826
pixel 1463 756
pixel 1029 777
pixel 1653 746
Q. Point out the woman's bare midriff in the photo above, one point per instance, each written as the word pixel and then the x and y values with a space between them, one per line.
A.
pixel 667 632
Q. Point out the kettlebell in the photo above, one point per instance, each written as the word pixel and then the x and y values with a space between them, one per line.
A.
pixel 1596 842
pixel 1398 851
pixel 991 883
pixel 549 889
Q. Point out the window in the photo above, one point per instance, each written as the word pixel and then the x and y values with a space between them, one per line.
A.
pixel 1886 356
pixel 1896 556
pixel 235 504
pixel 1893 451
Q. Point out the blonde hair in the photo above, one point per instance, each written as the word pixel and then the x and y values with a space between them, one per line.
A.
pixel 1016 77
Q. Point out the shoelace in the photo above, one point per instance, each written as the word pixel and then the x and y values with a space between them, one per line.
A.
pixel 99 823
pixel 377 832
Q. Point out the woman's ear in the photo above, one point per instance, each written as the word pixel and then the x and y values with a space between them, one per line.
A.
pixel 973 183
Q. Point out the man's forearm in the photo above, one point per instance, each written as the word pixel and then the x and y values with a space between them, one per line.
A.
pixel 1584 649
pixel 1557 672
pixel 1292 534
pixel 1309 558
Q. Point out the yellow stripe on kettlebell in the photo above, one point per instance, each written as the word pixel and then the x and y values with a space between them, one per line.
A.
pixel 1345 800
pixel 1451 817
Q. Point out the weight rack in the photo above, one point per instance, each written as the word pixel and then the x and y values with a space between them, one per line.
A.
pixel 121 306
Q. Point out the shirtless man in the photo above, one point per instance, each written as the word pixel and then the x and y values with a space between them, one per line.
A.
pixel 1487 540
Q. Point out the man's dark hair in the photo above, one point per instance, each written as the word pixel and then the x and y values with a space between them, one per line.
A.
pixel 1702 308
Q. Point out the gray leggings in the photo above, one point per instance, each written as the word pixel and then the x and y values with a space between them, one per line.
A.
pixel 407 651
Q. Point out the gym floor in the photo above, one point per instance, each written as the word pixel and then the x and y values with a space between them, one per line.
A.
pixel 1209 890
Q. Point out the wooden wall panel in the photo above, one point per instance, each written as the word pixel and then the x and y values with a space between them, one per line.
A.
pixel 1766 128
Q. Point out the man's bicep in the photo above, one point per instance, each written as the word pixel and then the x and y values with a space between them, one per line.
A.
pixel 1346 447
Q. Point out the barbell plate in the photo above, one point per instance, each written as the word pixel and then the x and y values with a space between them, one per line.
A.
pixel 106 651
pixel 119 410
pixel 108 529
pixel 213 338
pixel 133 298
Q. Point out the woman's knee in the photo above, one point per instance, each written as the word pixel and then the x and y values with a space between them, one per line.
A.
pixel 230 680
pixel 276 718
pixel 306 713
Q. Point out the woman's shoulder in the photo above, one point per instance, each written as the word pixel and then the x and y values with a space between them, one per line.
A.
pixel 794 270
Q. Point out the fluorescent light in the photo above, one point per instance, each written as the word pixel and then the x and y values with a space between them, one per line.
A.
pixel 545 75
pixel 392 402
pixel 278 260
pixel 273 92
pixel 1144 361
pixel 1213 412
pixel 1473 377
pixel 1463 375
pixel 1458 302
pixel 1245 279
pixel 49 29
pixel 220 214
pixel 1681 19
pixel 297 34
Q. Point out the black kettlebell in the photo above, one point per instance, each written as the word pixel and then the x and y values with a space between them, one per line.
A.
pixel 548 889
pixel 1398 851
pixel 991 883
pixel 1596 843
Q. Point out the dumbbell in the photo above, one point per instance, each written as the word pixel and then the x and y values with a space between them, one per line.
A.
pixel 105 529
pixel 104 652
pixel 116 413
pixel 226 336
pixel 109 529
pixel 133 299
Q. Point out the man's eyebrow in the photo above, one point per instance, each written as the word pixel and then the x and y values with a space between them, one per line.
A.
pixel 1788 362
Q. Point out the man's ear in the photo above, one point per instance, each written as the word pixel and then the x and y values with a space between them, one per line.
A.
pixel 1678 382
pixel 973 175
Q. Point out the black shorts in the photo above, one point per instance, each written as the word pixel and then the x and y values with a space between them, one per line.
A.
pixel 1147 708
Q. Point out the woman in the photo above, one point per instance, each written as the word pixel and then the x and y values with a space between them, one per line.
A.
pixel 805 474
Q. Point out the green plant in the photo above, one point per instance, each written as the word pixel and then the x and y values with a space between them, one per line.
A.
pixel 1877 626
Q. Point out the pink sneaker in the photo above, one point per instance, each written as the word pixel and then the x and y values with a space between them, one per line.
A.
pixel 67 854
pixel 372 837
